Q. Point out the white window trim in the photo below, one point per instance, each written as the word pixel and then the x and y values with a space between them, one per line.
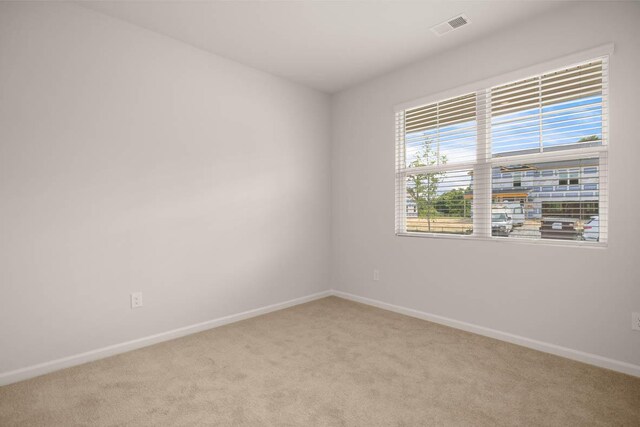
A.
pixel 522 73
pixel 483 163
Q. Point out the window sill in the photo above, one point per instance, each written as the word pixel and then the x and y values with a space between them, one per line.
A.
pixel 536 242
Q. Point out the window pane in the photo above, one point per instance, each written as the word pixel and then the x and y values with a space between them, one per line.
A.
pixel 441 133
pixel 439 202
pixel 551 200
pixel 555 111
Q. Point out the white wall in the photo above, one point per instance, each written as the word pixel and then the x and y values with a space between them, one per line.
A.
pixel 129 161
pixel 583 298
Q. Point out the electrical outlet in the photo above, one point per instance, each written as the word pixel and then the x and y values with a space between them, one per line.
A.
pixel 376 275
pixel 136 300
pixel 635 321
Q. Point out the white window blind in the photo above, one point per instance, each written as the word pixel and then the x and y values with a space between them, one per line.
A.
pixel 521 160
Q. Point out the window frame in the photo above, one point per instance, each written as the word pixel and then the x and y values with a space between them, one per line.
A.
pixel 484 163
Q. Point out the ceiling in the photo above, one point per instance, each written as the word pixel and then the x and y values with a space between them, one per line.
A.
pixel 327 45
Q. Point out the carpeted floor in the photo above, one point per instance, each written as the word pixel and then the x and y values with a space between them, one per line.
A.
pixel 329 362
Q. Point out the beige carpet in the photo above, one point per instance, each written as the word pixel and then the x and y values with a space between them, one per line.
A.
pixel 329 362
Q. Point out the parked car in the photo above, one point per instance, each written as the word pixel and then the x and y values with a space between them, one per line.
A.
pixel 501 223
pixel 591 231
pixel 559 228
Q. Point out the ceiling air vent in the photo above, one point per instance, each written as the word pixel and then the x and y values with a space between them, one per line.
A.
pixel 450 25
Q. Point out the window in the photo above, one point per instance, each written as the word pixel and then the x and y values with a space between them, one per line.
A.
pixel 517 180
pixel 437 192
pixel 520 160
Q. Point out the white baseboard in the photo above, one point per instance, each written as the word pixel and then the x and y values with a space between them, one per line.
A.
pixel 78 359
pixel 592 359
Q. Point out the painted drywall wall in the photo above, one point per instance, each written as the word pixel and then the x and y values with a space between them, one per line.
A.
pixel 132 162
pixel 577 298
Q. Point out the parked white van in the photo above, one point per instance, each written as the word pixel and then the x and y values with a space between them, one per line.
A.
pixel 501 223
pixel 514 210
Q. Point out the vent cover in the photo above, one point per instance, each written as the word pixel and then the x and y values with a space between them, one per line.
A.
pixel 450 25
pixel 458 21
